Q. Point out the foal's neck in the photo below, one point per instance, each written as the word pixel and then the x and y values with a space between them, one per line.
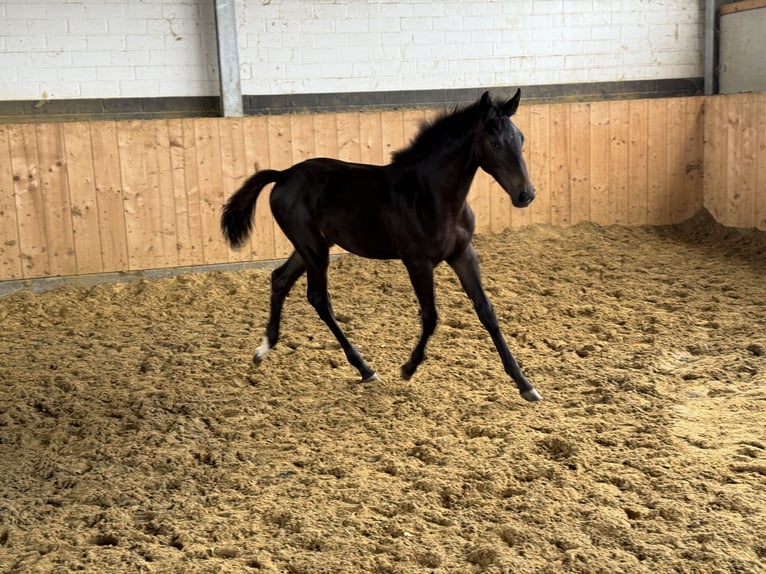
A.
pixel 453 169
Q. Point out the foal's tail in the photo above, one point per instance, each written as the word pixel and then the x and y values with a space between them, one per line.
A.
pixel 237 216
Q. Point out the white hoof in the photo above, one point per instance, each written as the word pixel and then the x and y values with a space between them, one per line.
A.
pixel 261 351
pixel 532 395
pixel 373 378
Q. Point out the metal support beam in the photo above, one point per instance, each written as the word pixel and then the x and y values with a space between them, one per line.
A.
pixel 710 38
pixel 228 58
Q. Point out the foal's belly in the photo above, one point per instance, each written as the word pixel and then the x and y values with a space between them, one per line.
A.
pixel 363 239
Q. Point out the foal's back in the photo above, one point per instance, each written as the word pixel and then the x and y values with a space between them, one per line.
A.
pixel 378 212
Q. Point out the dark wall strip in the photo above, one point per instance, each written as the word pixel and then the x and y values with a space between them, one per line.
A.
pixel 148 108
pixel 12 111
pixel 355 101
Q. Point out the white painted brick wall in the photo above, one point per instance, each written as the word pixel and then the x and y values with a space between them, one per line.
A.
pixel 125 48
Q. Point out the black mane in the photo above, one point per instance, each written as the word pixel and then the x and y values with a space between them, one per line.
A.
pixel 435 134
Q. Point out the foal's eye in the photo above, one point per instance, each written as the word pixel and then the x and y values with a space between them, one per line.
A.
pixel 494 145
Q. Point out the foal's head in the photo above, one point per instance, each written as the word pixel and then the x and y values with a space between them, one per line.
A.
pixel 498 148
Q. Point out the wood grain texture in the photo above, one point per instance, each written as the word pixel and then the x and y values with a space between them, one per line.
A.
pixel 91 197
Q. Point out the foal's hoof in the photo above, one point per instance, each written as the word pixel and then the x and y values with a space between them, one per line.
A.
pixel 373 378
pixel 406 372
pixel 532 395
pixel 261 352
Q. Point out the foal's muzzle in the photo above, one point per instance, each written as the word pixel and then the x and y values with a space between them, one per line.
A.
pixel 524 198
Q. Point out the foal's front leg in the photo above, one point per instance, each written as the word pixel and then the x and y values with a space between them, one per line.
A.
pixel 466 266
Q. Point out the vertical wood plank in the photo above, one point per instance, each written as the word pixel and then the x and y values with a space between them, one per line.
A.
pixel 371 139
pixel 326 136
pixel 392 132
pixel 161 180
pixel 503 214
pixel 560 165
pixel 193 193
pixel 148 193
pixel 82 192
pixel 348 137
pixel 734 159
pixel 538 145
pixel 599 163
pixel 55 191
pixel 257 158
pixel 619 136
pixel 637 166
pixel 716 144
pixel 579 153
pixel 657 162
pixel 483 189
pixel 759 208
pixel 234 170
pixel 694 149
pixel 183 186
pixel 675 160
pixel 141 240
pixel 109 196
pixel 210 180
pixel 281 157
pixel 30 204
pixel 10 254
pixel 479 200
pixel 412 121
pixel 746 189
pixel 302 137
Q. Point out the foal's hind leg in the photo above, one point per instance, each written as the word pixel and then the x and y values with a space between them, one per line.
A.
pixel 422 278
pixel 320 300
pixel 315 254
pixel 466 267
pixel 282 280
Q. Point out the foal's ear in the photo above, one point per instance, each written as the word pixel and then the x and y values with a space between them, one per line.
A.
pixel 485 104
pixel 509 108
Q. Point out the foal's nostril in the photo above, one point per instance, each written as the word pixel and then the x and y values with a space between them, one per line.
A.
pixel 525 197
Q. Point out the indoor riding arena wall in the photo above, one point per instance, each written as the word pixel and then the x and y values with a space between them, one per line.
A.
pixel 80 198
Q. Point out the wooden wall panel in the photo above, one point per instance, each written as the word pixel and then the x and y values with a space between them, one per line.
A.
pixel 371 139
pixel 59 235
pixel 10 254
pixel 91 197
pixel 657 160
pixel 538 159
pixel 82 194
pixel 210 181
pixel 280 157
pixel 734 158
pixel 637 163
pixel 619 161
pixel 503 214
pixel 579 160
pixel 262 244
pixel 560 165
pixel 692 200
pixel 183 165
pixel 233 170
pixel 392 130
pixel 599 141
pixel 29 201
pixel 759 207
pixel 674 157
